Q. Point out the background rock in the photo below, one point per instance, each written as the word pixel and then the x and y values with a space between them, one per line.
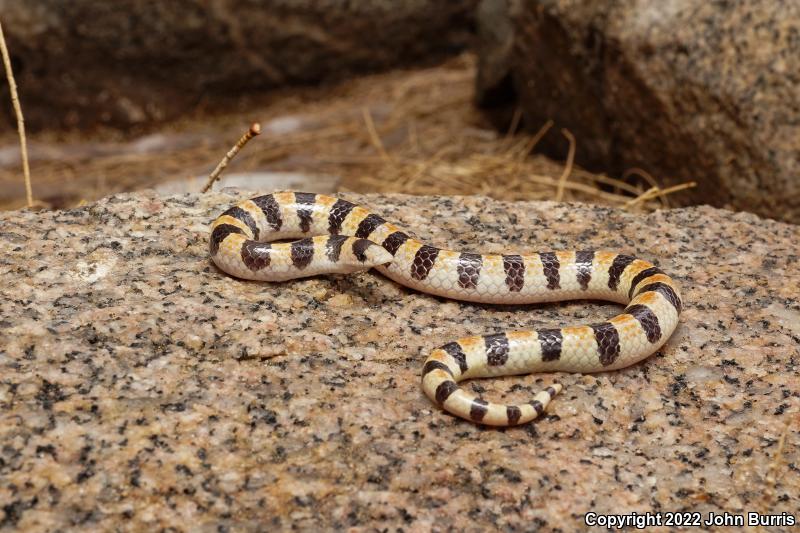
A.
pixel 89 62
pixel 142 388
pixel 705 91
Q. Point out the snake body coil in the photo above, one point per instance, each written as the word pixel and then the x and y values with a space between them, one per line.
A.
pixel 337 236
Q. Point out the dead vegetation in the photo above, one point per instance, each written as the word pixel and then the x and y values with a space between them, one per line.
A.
pixel 23 148
pixel 413 131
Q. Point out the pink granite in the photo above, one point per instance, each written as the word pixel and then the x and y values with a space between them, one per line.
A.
pixel 141 388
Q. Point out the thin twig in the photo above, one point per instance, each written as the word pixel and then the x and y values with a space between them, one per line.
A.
pixel 617 184
pixel 580 187
pixel 515 120
pixel 568 167
pixel 23 145
pixel 655 192
pixel 373 134
pixel 636 171
pixel 254 130
pixel 531 144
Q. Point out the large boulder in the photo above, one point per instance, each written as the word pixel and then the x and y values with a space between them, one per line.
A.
pixel 689 91
pixel 141 388
pixel 88 62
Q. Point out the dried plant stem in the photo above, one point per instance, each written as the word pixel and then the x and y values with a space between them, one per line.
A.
pixel 373 135
pixel 531 144
pixel 655 192
pixel 254 130
pixel 449 149
pixel 23 145
pixel 635 171
pixel 515 121
pixel 587 189
pixel 618 185
pixel 568 167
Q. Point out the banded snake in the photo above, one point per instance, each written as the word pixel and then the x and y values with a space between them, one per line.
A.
pixel 337 236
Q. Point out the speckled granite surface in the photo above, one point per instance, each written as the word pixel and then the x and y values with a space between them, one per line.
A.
pixel 142 388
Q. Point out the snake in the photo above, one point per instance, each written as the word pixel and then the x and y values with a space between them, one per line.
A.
pixel 321 234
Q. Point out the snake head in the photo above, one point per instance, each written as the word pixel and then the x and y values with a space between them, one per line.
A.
pixel 369 254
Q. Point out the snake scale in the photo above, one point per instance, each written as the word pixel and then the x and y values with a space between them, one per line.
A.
pixel 337 236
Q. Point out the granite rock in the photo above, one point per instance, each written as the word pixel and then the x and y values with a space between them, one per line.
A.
pixel 689 91
pixel 86 63
pixel 142 388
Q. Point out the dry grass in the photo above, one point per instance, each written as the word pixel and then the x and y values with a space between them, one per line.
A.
pixel 413 131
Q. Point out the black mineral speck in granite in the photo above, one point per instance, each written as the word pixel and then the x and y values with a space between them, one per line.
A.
pixel 142 388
